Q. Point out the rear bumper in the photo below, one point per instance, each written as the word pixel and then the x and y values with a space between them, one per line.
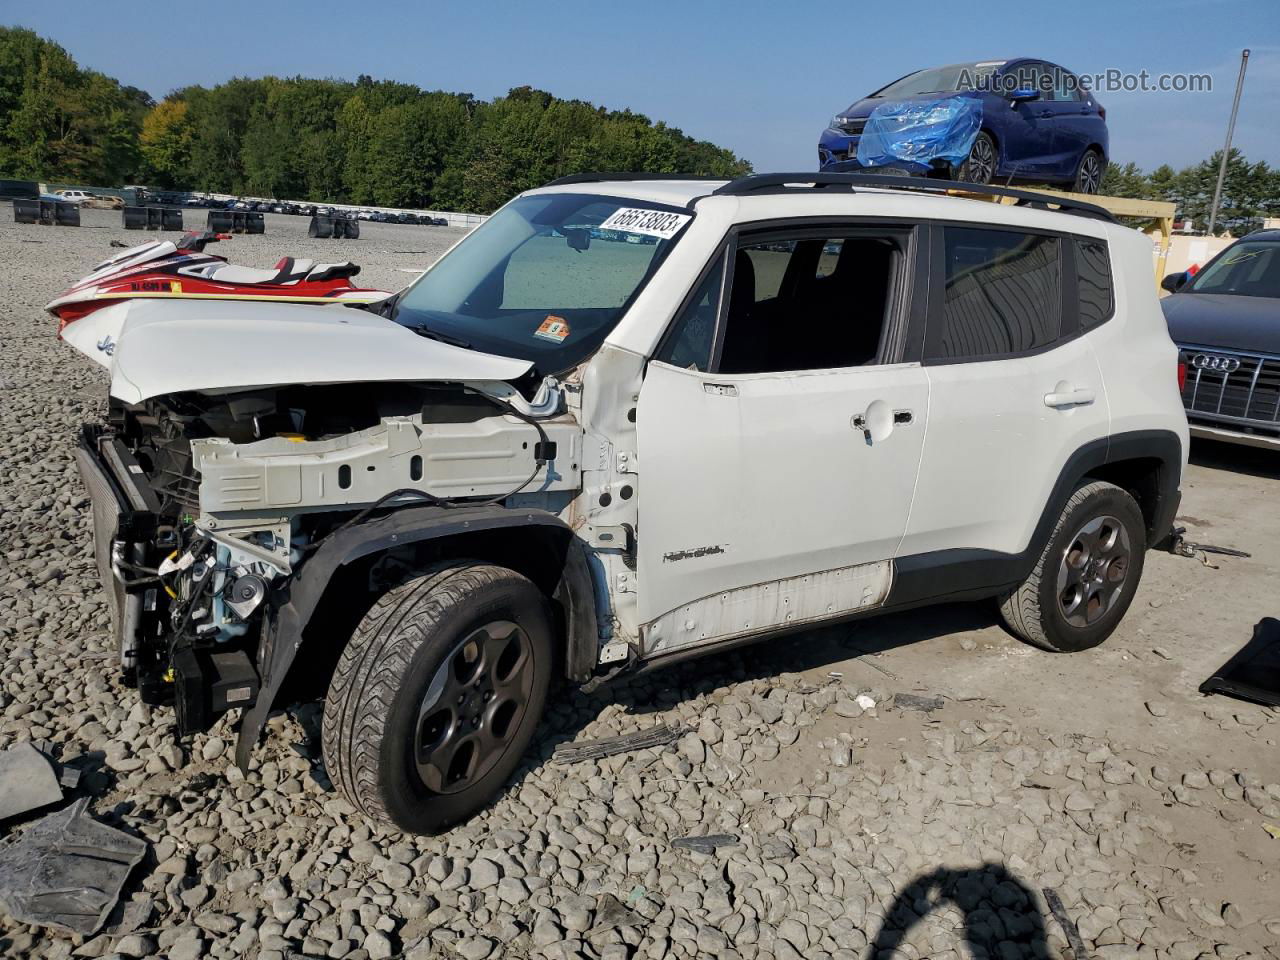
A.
pixel 1165 513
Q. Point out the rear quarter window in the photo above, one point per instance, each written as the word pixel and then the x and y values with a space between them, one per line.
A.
pixel 1094 291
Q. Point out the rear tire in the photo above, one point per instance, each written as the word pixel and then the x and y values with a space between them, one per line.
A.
pixel 437 695
pixel 1085 579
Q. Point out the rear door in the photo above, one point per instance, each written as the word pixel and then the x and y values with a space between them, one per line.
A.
pixel 1015 391
pixel 1073 119
pixel 779 436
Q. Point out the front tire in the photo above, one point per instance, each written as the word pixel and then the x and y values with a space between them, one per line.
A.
pixel 437 695
pixel 1089 173
pixel 980 165
pixel 1085 579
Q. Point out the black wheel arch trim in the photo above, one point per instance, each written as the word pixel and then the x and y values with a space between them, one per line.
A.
pixel 283 633
pixel 964 574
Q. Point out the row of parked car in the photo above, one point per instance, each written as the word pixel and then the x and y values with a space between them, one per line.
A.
pixel 298 209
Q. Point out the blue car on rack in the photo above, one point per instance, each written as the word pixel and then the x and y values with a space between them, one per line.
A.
pixel 1037 124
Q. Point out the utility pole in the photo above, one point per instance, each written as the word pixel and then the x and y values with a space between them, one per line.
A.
pixel 1226 151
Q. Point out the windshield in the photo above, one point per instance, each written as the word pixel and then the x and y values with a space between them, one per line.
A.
pixel 1248 269
pixel 958 76
pixel 545 278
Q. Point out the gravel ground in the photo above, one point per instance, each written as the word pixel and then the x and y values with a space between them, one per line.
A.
pixel 859 828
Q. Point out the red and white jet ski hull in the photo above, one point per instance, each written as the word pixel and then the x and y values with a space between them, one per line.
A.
pixel 163 269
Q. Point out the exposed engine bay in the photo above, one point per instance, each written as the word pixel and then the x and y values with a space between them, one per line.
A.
pixel 220 498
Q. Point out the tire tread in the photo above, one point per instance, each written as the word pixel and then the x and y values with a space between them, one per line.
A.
pixel 372 666
pixel 1020 608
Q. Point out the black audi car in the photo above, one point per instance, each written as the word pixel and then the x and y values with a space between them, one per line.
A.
pixel 1226 323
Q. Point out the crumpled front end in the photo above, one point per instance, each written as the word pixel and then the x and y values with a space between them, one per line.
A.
pixel 920 136
pixel 206 507
pixel 240 438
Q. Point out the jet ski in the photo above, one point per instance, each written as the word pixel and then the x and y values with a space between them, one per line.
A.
pixel 183 270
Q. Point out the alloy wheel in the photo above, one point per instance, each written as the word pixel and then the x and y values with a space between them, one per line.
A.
pixel 473 706
pixel 982 161
pixel 1093 571
pixel 1090 174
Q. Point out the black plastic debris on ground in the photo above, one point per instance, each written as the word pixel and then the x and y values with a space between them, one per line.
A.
pixel 28 781
pixel 656 736
pixel 611 912
pixel 1253 673
pixel 708 844
pixel 910 701
pixel 66 870
pixel 1069 928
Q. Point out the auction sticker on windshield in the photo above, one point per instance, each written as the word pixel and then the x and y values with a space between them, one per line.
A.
pixel 554 328
pixel 653 223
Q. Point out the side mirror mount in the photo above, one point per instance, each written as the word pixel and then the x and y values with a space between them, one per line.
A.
pixel 1023 94
pixel 1174 282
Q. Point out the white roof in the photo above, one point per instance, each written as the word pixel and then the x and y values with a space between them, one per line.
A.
pixel 862 201
pixel 677 193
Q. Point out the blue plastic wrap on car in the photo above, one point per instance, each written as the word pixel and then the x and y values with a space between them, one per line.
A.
pixel 911 134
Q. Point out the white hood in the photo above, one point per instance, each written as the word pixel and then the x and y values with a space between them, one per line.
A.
pixel 154 347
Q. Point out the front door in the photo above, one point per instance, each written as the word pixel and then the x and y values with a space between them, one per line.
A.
pixel 778 472
pixel 1027 133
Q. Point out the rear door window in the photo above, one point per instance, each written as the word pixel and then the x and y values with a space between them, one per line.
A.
pixel 1001 295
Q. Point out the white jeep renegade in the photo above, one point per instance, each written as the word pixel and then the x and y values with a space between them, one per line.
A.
pixel 626 420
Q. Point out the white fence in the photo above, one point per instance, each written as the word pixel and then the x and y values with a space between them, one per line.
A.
pixel 455 219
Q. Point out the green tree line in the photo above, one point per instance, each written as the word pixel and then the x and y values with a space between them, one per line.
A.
pixel 1250 191
pixel 59 122
pixel 364 142
pixel 392 144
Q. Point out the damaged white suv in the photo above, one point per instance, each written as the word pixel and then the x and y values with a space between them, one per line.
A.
pixel 625 421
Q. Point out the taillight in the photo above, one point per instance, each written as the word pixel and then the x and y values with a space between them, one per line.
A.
pixel 1182 375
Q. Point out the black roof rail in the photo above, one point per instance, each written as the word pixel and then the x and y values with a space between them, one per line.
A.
pixel 774 182
pixel 781 183
pixel 626 177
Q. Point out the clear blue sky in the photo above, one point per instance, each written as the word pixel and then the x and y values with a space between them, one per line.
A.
pixel 759 78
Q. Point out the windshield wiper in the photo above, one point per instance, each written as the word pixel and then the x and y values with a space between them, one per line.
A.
pixel 442 337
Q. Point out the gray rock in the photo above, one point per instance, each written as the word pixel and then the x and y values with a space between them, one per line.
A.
pixel 378 946
pixel 693 749
pixel 475 948
pixel 136 945
pixel 1079 801
pixel 190 948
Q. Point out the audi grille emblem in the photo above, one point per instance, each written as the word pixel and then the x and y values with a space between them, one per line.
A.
pixel 1207 361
